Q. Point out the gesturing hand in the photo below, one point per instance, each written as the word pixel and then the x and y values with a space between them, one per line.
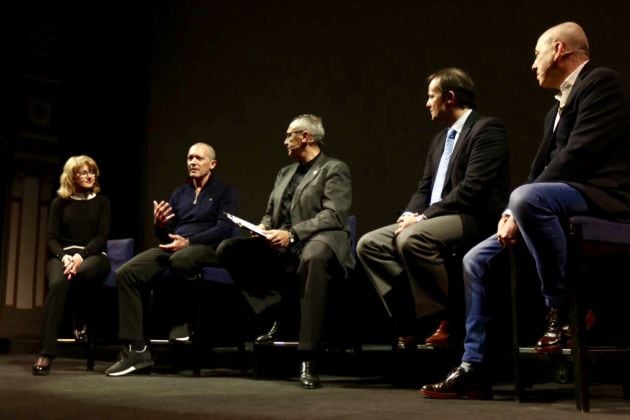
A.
pixel 162 213
pixel 178 243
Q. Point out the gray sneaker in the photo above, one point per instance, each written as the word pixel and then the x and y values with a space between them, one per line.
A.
pixel 130 361
pixel 179 333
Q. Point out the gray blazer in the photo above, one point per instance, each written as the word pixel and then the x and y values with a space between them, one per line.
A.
pixel 320 206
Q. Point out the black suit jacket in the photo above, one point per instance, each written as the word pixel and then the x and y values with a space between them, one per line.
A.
pixel 477 178
pixel 590 148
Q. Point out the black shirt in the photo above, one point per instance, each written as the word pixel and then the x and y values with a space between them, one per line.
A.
pixel 287 197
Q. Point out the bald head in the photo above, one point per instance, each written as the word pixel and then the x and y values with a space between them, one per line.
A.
pixel 559 51
pixel 569 33
pixel 207 148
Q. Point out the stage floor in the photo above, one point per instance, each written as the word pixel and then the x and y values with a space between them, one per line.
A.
pixel 71 392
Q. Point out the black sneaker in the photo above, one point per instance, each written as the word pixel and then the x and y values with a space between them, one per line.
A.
pixel 130 361
pixel 179 333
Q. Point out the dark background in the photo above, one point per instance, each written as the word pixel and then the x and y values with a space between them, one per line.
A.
pixel 134 84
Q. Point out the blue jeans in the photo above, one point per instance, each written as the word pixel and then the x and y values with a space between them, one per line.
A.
pixel 540 211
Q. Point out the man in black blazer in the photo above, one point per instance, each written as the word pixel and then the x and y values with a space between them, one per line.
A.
pixel 582 168
pixel 305 232
pixel 463 190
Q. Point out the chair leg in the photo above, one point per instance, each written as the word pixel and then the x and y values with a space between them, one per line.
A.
pixel 519 383
pixel 90 325
pixel 580 355
pixel 196 335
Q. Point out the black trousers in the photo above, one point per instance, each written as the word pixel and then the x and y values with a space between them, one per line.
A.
pixel 261 272
pixel 134 278
pixel 90 275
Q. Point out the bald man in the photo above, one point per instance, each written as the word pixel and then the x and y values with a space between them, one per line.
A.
pixel 190 225
pixel 582 167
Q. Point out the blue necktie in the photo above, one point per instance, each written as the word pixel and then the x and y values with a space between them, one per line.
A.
pixel 438 184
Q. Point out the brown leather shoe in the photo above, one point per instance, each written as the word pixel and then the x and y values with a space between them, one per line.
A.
pixel 555 337
pixel 460 384
pixel 41 366
pixel 407 342
pixel 440 336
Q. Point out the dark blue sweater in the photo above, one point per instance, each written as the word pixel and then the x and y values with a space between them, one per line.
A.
pixel 203 222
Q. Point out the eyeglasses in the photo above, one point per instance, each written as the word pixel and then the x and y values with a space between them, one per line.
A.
pixel 290 133
pixel 84 174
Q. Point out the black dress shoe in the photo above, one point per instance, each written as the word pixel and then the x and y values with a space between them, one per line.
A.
pixel 556 335
pixel 80 335
pixel 41 366
pixel 460 384
pixel 269 336
pixel 308 377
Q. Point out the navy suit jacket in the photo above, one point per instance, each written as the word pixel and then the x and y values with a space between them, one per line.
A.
pixel 478 175
pixel 590 148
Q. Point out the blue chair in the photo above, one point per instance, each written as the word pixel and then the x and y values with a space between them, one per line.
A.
pixel 588 239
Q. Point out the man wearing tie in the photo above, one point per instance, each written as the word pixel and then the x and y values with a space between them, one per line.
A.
pixel 463 190
pixel 582 167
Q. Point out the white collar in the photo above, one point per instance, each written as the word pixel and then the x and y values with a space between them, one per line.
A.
pixel 458 125
pixel 567 85
pixel 82 197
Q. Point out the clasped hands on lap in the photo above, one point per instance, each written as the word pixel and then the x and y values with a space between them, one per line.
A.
pixel 71 264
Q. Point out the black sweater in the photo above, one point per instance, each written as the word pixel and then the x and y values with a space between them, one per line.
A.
pixel 81 223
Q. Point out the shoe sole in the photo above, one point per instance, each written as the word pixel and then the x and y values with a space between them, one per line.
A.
pixel 453 396
pixel 549 349
pixel 131 369
pixel 41 372
pixel 436 343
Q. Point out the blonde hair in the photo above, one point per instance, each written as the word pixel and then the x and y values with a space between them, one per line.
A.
pixel 67 185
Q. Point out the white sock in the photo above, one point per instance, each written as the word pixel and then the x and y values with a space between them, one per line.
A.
pixel 467 366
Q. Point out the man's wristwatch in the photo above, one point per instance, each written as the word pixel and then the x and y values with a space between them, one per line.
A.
pixel 291 236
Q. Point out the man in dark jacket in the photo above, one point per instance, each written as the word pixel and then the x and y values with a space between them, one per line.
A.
pixel 190 226
pixel 462 192
pixel 582 168
pixel 306 231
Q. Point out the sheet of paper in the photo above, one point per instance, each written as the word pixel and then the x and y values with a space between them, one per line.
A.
pixel 245 224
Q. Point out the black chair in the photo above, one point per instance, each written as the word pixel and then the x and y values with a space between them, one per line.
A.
pixel 118 251
pixel 589 238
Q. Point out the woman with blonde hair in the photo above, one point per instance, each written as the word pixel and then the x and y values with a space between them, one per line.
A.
pixel 78 227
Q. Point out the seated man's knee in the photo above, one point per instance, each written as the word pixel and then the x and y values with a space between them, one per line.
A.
pixel 227 249
pixel 182 265
pixel 318 255
pixel 365 242
pixel 409 243
pixel 124 275
pixel 522 198
pixel 470 261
